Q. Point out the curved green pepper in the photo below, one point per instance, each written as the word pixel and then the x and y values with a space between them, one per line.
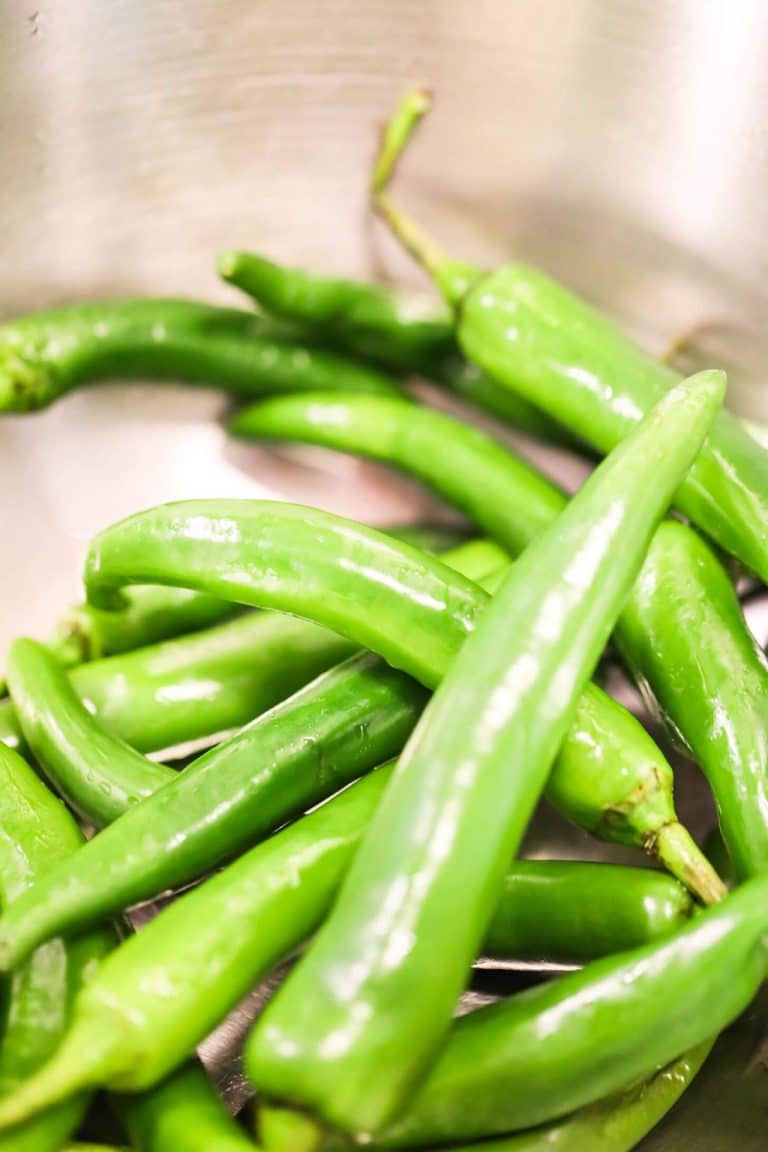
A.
pixel 385 971
pixel 339 726
pixel 96 773
pixel 549 347
pixel 199 686
pixel 45 355
pixel 716 696
pixel 36 832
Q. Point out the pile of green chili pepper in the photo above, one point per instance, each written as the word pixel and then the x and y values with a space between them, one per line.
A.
pixel 370 718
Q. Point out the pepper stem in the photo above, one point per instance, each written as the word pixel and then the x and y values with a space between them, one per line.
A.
pixel 453 279
pixel 86 1058
pixel 674 847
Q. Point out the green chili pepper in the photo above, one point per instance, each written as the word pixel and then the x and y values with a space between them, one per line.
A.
pixel 385 971
pixel 481 476
pixel 557 1047
pixel 156 998
pixel 514 503
pixel 616 1124
pixel 720 705
pixel 183 1114
pixel 403 332
pixel 535 338
pixel 199 686
pixel 96 773
pixel 350 719
pixel 47 354
pixel 410 609
pixel 230 548
pixel 151 614
pixel 36 831
pixel 574 911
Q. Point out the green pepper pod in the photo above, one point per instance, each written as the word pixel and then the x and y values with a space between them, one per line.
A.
pixel 479 475
pixel 515 504
pixel 199 686
pixel 403 332
pixel 183 1114
pixel 409 608
pixel 385 971
pixel 156 613
pixel 720 705
pixel 151 614
pixel 98 774
pixel 562 1045
pixel 355 580
pixel 576 911
pixel 549 347
pixel 129 1032
pixel 615 1124
pixel 36 831
pixel 45 355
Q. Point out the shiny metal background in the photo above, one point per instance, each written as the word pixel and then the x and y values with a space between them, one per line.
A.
pixel 621 145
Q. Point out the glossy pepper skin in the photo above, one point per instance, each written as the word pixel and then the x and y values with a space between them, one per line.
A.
pixel 270 554
pixel 560 1046
pixel 496 489
pixel 199 686
pixel 96 773
pixel 45 355
pixel 151 614
pixel 720 703
pixel 213 943
pixel 402 332
pixel 512 502
pixel 464 792
pixel 357 714
pixel 36 831
pixel 576 911
pixel 182 1114
pixel 616 1124
pixel 409 608
pixel 156 613
pixel 534 337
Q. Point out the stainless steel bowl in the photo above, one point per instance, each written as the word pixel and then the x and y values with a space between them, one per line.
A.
pixel 622 146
